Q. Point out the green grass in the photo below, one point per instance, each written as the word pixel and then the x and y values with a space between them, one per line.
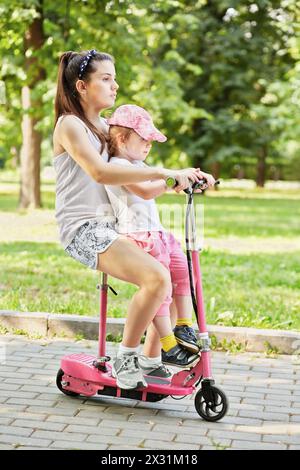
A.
pixel 253 280
pixel 9 201
pixel 41 277
pixel 240 290
pixel 243 217
pixel 247 214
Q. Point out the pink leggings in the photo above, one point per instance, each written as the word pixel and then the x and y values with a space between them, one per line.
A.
pixel 167 250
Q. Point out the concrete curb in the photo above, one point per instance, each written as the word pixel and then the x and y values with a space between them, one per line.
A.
pixel 71 326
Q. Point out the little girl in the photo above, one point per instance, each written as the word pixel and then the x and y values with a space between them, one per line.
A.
pixel 130 138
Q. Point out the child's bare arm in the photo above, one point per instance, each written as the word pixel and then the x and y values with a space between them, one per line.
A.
pixel 148 189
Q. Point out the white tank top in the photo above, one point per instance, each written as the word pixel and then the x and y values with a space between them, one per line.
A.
pixel 79 198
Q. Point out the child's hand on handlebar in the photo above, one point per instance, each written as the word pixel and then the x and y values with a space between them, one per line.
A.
pixel 185 177
pixel 210 180
pixel 182 180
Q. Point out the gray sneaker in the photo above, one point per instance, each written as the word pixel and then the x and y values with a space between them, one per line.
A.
pixel 127 371
pixel 159 370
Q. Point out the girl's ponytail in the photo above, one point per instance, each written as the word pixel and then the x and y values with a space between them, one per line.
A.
pixel 63 99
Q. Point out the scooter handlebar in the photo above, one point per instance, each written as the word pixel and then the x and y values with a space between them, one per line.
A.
pixel 197 185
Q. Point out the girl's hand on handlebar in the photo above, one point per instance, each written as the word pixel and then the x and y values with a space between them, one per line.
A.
pixel 185 177
pixel 210 180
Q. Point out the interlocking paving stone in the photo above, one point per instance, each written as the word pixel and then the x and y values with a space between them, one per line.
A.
pixel 264 412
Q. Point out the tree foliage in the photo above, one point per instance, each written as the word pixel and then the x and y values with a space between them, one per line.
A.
pixel 219 77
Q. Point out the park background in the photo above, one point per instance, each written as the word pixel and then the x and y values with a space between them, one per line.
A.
pixel 221 79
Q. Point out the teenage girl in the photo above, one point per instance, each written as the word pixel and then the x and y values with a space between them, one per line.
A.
pixel 86 86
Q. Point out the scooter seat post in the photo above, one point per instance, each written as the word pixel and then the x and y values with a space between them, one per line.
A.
pixel 103 287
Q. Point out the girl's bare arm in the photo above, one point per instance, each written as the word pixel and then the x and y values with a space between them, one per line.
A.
pixel 74 139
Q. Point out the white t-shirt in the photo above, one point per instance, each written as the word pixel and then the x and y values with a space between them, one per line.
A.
pixel 133 213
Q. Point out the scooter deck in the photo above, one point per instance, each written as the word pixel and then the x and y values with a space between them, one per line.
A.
pixel 81 376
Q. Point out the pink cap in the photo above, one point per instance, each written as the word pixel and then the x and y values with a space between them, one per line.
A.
pixel 136 118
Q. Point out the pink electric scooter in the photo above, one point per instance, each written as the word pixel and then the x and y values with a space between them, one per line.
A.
pixel 83 374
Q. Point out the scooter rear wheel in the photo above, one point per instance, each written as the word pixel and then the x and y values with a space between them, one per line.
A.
pixel 211 404
pixel 59 377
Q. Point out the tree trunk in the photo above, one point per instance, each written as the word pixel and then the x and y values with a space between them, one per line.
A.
pixel 30 193
pixel 30 154
pixel 216 171
pixel 261 167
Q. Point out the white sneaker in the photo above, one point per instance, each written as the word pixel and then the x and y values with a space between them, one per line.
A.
pixel 127 371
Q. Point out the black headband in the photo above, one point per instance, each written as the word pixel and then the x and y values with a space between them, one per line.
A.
pixel 85 61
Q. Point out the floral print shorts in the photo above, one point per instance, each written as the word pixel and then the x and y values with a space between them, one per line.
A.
pixel 92 238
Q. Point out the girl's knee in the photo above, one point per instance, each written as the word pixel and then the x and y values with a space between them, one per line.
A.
pixel 159 281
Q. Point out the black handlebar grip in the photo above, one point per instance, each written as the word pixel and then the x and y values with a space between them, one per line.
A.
pixel 199 185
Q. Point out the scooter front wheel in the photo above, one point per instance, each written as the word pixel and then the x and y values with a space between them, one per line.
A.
pixel 59 377
pixel 211 404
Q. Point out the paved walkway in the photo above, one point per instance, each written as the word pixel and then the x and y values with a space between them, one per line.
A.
pixel 264 413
